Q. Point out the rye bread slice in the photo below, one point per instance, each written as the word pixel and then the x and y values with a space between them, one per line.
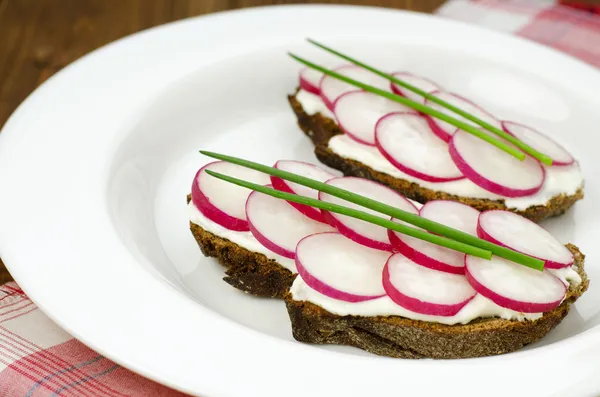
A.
pixel 245 270
pixel 401 337
pixel 321 129
pixel 248 271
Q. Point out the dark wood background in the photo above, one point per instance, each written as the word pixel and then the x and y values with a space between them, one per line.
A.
pixel 39 37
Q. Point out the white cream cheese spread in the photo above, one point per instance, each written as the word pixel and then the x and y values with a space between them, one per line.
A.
pixel 477 307
pixel 559 180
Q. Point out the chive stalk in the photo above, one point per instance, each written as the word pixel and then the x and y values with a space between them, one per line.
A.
pixel 503 134
pixel 419 107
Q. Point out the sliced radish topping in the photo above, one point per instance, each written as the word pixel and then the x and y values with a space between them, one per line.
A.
pixel 422 83
pixel 445 130
pixel 451 213
pixel 309 171
pixel 332 88
pixel 520 234
pixel 310 80
pixel 223 202
pixel 427 254
pixel 336 267
pixel 493 169
pixel 423 290
pixel 362 232
pixel 514 286
pixel 406 140
pixel 358 112
pixel 540 142
pixel 277 225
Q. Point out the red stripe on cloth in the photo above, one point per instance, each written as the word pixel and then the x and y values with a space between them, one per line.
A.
pixel 574 32
pixel 18 315
pixel 515 6
pixel 4 314
pixel 8 296
pixel 102 371
pixel 52 363
pixel 34 362
pixel 593 8
pixel 16 300
pixel 12 287
pixel 13 375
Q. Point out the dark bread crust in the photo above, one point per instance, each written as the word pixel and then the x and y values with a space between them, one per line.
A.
pixel 321 129
pixel 245 270
pixel 396 336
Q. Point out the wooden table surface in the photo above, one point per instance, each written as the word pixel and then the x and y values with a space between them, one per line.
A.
pixel 39 37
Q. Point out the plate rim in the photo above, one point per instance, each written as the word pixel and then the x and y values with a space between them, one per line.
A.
pixel 57 314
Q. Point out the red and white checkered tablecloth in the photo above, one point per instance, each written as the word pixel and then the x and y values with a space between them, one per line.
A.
pixel 38 359
pixel 574 29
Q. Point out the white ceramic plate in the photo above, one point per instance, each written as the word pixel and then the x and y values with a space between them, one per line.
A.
pixel 96 164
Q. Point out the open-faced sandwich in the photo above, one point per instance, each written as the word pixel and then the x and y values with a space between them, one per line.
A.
pixel 373 131
pixel 359 264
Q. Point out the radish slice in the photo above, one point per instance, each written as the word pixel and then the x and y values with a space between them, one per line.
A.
pixel 336 267
pixel 520 234
pixel 362 232
pixel 406 140
pixel 427 254
pixel 223 202
pixel 423 290
pixel 445 130
pixel 453 214
pixel 358 112
pixel 332 88
pixel 414 80
pixel 310 80
pixel 493 169
pixel 539 142
pixel 514 286
pixel 309 171
pixel 277 225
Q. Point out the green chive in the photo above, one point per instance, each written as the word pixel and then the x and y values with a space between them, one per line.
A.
pixel 382 208
pixel 419 107
pixel 340 209
pixel 521 145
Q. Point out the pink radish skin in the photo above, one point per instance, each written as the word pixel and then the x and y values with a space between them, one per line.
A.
pixel 405 139
pixel 453 214
pixel 445 130
pixel 332 88
pixel 358 112
pixel 439 293
pixel 278 226
pixel 414 80
pixel 520 234
pixel 222 202
pixel 427 254
pixel 339 268
pixel 310 80
pixel 540 142
pixel 514 286
pixel 359 231
pixel 304 169
pixel 493 169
